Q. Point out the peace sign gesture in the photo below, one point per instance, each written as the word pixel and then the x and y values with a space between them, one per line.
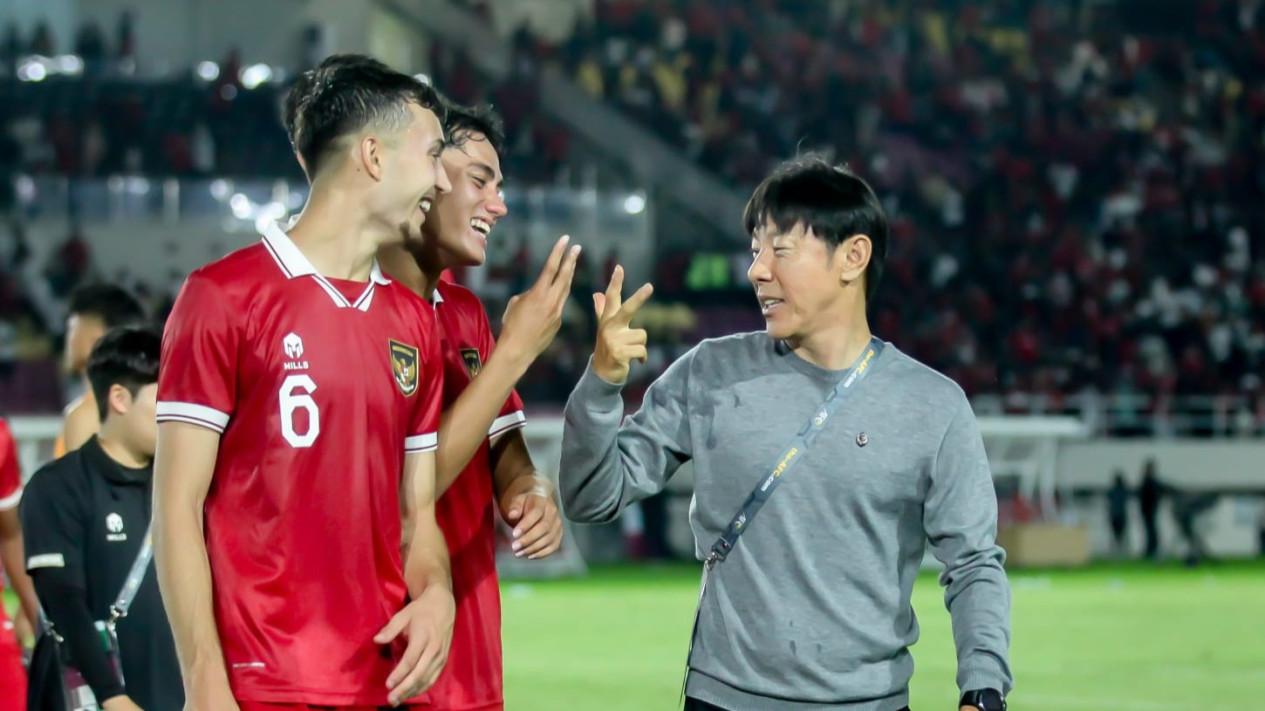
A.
pixel 617 343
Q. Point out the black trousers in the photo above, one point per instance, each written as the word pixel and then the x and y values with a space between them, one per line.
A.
pixel 692 704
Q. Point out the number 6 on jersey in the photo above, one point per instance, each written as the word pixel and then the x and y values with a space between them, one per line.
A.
pixel 296 394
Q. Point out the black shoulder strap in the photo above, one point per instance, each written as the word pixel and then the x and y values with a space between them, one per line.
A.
pixel 804 439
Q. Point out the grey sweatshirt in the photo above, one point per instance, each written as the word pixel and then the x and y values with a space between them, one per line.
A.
pixel 811 610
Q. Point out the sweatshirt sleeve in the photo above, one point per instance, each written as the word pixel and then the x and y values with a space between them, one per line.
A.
pixel 607 465
pixel 960 519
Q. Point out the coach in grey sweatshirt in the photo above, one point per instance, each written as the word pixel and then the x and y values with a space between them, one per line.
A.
pixel 811 608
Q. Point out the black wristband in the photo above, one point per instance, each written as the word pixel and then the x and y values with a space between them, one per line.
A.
pixel 984 700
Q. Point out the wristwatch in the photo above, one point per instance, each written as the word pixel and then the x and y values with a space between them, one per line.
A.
pixel 984 700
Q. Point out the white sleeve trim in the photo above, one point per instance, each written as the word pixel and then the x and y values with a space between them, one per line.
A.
pixel 428 442
pixel 506 423
pixel 46 560
pixel 11 500
pixel 200 415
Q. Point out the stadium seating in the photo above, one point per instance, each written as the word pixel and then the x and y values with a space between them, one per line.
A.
pixel 1074 206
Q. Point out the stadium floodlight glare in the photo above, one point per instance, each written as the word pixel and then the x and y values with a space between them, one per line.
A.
pixel 137 186
pixel 25 187
pixel 70 65
pixel 32 69
pixel 274 211
pixel 219 189
pixel 255 75
pixel 240 205
pixel 634 204
pixel 208 71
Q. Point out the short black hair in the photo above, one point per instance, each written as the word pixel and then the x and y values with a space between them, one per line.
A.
pixel 345 94
pixel 126 356
pixel 298 91
pixel 114 305
pixel 830 199
pixel 301 90
pixel 464 121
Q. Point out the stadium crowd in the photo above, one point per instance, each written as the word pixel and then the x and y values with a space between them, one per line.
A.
pixel 1073 185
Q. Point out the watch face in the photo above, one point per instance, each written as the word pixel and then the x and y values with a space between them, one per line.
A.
pixel 985 700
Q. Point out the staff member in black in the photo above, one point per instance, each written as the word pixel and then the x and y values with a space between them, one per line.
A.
pixel 85 518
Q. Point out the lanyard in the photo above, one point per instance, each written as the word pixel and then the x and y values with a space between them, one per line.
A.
pixel 804 438
pixel 134 578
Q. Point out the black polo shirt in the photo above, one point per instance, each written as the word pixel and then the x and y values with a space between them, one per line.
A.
pixel 84 518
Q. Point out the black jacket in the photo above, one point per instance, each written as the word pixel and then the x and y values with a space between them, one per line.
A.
pixel 84 518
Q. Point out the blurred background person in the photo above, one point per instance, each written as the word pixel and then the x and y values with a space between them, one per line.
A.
pixel 86 519
pixel 13 636
pixel 1118 497
pixel 92 310
pixel 1150 492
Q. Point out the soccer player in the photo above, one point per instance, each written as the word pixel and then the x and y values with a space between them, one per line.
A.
pixel 482 455
pixel 484 465
pixel 873 455
pixel 299 400
pixel 93 310
pixel 12 675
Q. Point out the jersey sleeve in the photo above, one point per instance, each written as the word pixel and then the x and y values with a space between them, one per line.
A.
pixel 423 432
pixel 10 469
pixel 511 415
pixel 53 529
pixel 197 378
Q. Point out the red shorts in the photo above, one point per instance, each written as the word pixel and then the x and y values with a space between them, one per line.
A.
pixel 12 674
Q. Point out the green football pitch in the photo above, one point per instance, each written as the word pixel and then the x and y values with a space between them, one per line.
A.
pixel 1128 638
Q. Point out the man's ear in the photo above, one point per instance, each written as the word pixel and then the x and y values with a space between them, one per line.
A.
pixel 372 156
pixel 118 399
pixel 852 257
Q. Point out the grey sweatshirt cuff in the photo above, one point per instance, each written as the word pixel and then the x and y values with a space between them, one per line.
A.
pixel 596 395
pixel 980 678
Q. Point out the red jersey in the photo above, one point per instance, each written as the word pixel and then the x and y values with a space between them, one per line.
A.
pixel 10 488
pixel 12 675
pixel 318 387
pixel 472 678
pixel 10 471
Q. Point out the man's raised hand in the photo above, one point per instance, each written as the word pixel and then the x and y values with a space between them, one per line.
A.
pixel 533 317
pixel 618 344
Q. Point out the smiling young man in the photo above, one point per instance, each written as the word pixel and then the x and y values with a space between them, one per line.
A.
pixel 483 463
pixel 824 460
pixel 299 400
pixel 483 466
